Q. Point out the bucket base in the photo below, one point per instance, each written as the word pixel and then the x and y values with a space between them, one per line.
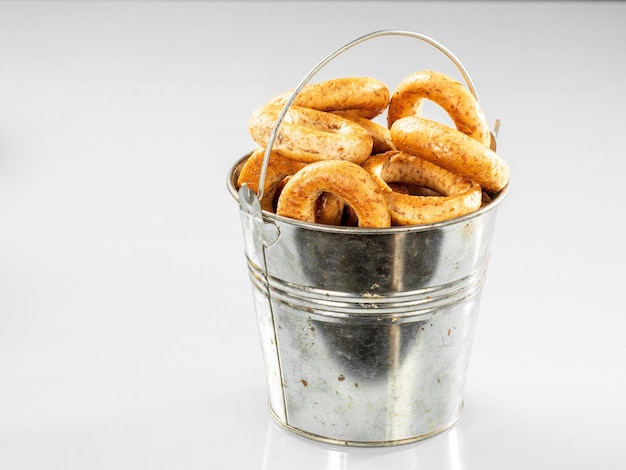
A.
pixel 343 442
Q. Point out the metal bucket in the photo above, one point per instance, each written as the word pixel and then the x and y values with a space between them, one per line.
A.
pixel 366 333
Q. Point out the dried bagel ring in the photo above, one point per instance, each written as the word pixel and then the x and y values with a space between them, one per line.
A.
pixel 381 137
pixel 345 179
pixel 278 168
pixel 365 96
pixel 458 195
pixel 308 135
pixel 452 150
pixel 451 95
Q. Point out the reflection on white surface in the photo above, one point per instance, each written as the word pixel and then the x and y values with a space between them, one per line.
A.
pixel 455 452
pixel 286 450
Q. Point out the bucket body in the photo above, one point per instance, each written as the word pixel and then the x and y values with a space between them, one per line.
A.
pixel 366 333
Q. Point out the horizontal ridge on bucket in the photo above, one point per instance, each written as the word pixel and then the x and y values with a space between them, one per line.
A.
pixel 397 305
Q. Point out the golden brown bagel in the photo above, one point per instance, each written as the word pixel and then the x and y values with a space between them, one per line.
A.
pixel 381 137
pixel 278 168
pixel 458 195
pixel 452 150
pixel 345 179
pixel 308 135
pixel 365 96
pixel 451 95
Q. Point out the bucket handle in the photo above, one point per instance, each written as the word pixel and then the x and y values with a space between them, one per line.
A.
pixel 323 62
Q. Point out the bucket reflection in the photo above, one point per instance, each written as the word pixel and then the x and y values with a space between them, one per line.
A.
pixel 286 450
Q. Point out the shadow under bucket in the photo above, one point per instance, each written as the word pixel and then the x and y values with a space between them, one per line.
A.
pixel 366 333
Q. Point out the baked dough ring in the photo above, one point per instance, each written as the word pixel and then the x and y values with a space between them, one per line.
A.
pixel 364 96
pixel 329 207
pixel 381 137
pixel 278 168
pixel 452 150
pixel 345 179
pixel 451 95
pixel 308 135
pixel 458 195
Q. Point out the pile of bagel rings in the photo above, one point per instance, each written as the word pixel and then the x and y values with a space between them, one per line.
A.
pixel 332 163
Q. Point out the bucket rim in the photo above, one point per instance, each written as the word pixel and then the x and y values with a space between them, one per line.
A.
pixel 231 183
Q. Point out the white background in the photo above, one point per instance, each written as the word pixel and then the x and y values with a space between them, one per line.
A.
pixel 127 332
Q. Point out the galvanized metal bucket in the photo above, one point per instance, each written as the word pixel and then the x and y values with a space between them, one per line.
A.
pixel 366 333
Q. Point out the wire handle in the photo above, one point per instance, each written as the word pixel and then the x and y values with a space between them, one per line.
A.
pixel 323 62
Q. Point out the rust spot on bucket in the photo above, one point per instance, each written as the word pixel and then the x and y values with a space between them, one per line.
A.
pixel 448 331
pixel 304 382
pixel 341 378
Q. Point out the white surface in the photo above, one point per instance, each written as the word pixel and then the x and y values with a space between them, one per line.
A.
pixel 127 336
